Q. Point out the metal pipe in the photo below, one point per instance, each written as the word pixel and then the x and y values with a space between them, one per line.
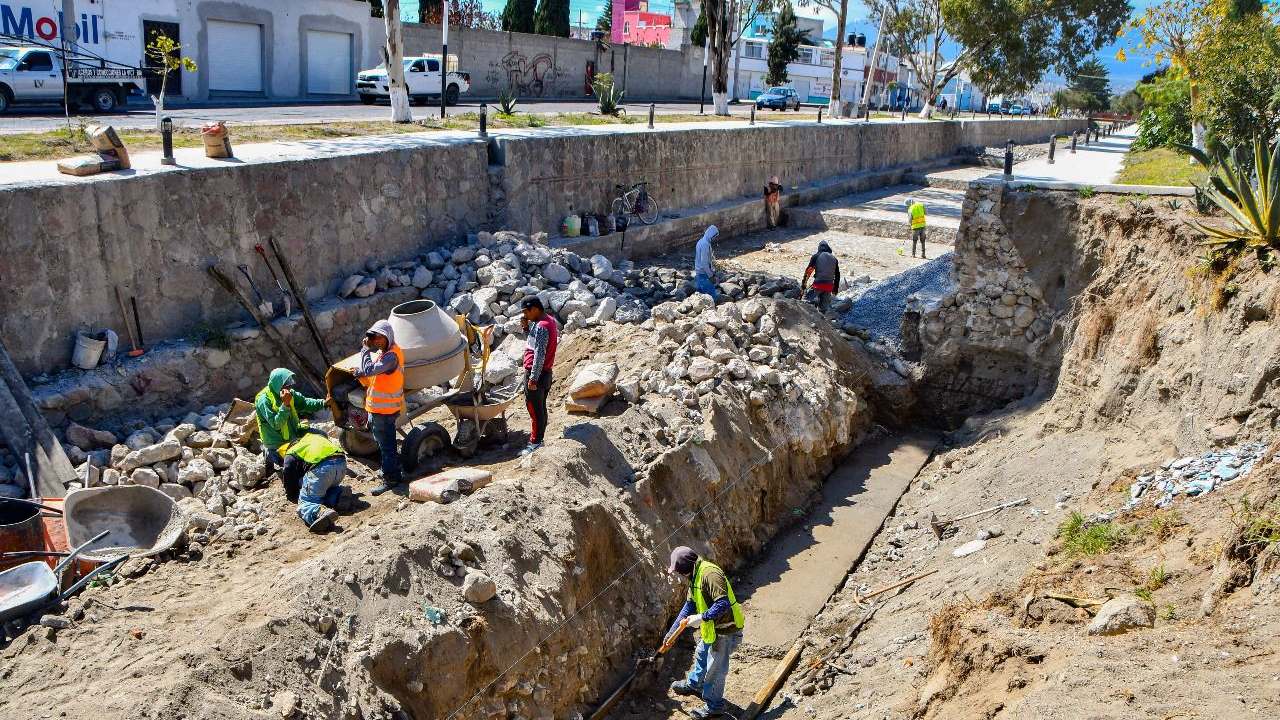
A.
pixel 1008 159
pixel 444 54
pixel 819 116
pixel 166 140
pixel 1053 142
pixel 1074 135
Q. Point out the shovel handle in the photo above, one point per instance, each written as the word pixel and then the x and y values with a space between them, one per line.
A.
pixel 670 641
pixel 105 567
pixel 76 551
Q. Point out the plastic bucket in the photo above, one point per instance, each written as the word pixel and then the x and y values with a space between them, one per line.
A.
pixel 88 351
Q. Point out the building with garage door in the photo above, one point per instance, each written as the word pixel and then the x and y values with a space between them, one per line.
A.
pixel 280 49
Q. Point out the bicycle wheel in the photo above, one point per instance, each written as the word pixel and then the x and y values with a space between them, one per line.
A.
pixel 647 209
pixel 620 208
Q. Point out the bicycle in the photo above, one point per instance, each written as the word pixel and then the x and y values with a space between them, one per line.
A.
pixel 636 201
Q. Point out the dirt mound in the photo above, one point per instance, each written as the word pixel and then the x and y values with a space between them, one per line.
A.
pixel 372 622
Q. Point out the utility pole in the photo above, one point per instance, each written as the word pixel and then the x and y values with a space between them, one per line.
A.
pixel 444 53
pixel 706 53
pixel 866 88
pixel 837 64
pixel 737 53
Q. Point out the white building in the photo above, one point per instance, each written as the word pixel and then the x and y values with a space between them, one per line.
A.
pixel 810 74
pixel 242 48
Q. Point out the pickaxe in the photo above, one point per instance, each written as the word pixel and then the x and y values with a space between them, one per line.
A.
pixel 939 527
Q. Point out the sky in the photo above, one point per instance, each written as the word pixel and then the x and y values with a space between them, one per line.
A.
pixel 1124 75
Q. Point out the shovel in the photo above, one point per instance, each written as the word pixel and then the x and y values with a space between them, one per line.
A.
pixel 288 296
pixel 641 665
pixel 940 527
pixel 264 305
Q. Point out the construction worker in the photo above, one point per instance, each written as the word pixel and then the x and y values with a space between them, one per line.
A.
pixel 280 411
pixel 824 268
pixel 704 263
pixel 915 213
pixel 773 203
pixel 381 372
pixel 320 464
pixel 716 615
pixel 539 355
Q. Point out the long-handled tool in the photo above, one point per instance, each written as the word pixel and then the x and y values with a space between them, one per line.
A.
pixel 641 664
pixel 301 296
pixel 940 526
pixel 133 336
pixel 284 291
pixel 308 370
pixel 137 321
pixel 264 305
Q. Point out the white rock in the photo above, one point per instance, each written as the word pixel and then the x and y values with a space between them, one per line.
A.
pixel 145 476
pixel 600 266
pixel 349 285
pixel 478 587
pixel 152 454
pixel 1122 614
pixel 969 548
pixel 175 491
pixel 701 369
pixel 556 273
pixel 605 310
pixel 366 287
pixel 422 277
pixel 464 254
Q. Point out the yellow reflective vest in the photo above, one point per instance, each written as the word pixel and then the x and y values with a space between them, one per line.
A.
pixel 700 601
pixel 311 448
pixel 916 211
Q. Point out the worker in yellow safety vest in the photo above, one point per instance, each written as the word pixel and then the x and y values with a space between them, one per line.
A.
pixel 915 213
pixel 321 464
pixel 712 609
pixel 381 372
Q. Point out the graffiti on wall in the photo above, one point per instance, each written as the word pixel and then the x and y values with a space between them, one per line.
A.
pixel 524 76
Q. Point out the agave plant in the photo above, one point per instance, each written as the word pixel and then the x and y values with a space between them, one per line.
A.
pixel 1250 198
pixel 608 97
pixel 506 103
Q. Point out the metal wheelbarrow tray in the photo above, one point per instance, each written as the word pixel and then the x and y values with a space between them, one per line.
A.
pixel 32 586
pixel 143 521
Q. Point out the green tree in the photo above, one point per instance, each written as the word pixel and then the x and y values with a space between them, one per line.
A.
pixel 1239 69
pixel 1091 79
pixel 698 34
pixel 518 15
pixel 1166 114
pixel 605 21
pixel 1129 103
pixel 784 47
pixel 552 18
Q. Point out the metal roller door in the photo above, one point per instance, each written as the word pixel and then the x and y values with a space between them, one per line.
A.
pixel 329 70
pixel 235 57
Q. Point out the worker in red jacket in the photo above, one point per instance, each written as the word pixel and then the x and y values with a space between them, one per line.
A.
pixel 539 355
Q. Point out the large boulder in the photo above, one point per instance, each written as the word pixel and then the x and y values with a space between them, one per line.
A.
pixel 160 452
pixel 88 438
pixel 1122 614
pixel 478 587
pixel 556 273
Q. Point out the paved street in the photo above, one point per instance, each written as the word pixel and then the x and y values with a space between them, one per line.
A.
pixel 48 117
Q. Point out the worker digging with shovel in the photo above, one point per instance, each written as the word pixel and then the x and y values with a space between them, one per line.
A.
pixel 712 608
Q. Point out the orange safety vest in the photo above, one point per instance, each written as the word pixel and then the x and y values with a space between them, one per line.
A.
pixel 384 394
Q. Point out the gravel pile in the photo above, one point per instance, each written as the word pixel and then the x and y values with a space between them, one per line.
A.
pixel 877 310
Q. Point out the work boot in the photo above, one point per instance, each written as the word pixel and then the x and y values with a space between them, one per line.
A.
pixel 324 521
pixel 530 448
pixel 704 712
pixel 346 500
pixel 682 687
pixel 384 486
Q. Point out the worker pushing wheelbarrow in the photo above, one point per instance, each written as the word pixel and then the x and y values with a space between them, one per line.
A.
pixel 445 358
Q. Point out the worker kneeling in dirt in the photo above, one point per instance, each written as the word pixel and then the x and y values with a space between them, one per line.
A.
pixel 715 612
pixel 322 466
pixel 280 411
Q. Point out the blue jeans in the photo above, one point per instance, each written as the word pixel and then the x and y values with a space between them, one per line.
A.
pixel 704 285
pixel 711 667
pixel 384 432
pixel 321 486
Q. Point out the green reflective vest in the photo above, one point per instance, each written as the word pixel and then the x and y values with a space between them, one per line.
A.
pixel 700 601
pixel 917 215
pixel 311 448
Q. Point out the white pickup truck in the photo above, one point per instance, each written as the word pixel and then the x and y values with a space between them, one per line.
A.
pixel 34 75
pixel 421 75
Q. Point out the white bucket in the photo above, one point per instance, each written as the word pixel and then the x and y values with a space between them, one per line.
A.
pixel 88 352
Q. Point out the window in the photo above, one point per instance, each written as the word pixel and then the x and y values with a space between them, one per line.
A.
pixel 806 56
pixel 38 62
pixel 755 50
pixel 418 66
pixel 433 66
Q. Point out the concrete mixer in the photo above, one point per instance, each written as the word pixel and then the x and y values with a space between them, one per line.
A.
pixel 444 362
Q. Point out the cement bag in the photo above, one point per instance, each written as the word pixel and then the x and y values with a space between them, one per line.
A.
pixel 593 380
pixel 83 165
pixel 241 422
pixel 449 485
pixel 217 140
pixel 107 142
pixel 590 406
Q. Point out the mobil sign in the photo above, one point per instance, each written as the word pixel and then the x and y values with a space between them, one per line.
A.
pixel 37 22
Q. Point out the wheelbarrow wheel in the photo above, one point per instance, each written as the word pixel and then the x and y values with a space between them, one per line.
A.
pixel 358 442
pixel 422 444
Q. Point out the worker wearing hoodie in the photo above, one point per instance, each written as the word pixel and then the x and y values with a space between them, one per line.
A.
pixel 280 411
pixel 704 263
pixel 824 268
pixel 381 372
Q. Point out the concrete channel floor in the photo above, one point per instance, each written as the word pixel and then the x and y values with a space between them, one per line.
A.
pixel 883 212
pixel 798 572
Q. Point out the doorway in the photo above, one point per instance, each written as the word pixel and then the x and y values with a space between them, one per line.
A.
pixel 150 29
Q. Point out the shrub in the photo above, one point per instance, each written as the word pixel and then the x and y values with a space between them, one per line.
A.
pixel 1247 189
pixel 1166 117
pixel 608 97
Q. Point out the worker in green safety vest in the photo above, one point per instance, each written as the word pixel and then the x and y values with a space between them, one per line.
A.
pixel 280 408
pixel 322 466
pixel 915 214
pixel 713 610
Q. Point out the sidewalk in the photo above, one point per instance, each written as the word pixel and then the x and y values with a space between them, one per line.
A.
pixel 1098 163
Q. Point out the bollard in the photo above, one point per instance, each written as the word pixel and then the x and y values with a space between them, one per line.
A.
pixel 753 114
pixel 166 139
pixel 1008 159
pixel 1074 135
pixel 1087 132
pixel 651 105
pixel 484 119
pixel 1053 142
pixel 819 116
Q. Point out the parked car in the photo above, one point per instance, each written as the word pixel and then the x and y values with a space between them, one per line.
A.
pixel 1015 110
pixel 995 107
pixel 421 76
pixel 778 98
pixel 34 75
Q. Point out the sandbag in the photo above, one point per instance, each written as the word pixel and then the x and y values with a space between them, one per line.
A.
pixel 593 380
pixel 84 165
pixel 217 140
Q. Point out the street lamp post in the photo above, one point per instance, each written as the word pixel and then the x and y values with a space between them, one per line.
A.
pixel 166 140
pixel 706 51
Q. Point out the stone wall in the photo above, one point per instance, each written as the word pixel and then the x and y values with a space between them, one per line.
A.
pixel 72 242
pixel 541 66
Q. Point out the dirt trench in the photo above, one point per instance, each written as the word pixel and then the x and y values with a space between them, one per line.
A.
pixel 575 538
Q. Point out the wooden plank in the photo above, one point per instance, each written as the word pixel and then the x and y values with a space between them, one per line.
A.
pixel 770 687
pixel 25 430
pixel 299 294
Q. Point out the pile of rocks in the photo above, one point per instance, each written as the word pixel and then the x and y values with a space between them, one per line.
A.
pixel 1194 475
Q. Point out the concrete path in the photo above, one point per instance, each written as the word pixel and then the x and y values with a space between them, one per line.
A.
pixel 1098 163
pixel 802 568
pixel 883 213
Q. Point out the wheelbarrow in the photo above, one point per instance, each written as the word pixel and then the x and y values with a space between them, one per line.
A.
pixel 480 414
pixel 33 586
pixel 142 521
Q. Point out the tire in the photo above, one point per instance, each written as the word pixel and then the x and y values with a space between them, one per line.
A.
pixel 619 208
pixel 358 443
pixel 5 102
pixel 451 95
pixel 367 99
pixel 103 100
pixel 649 213
pixel 423 443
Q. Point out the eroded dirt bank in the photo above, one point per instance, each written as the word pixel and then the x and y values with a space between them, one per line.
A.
pixel 575 537
pixel 1153 362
